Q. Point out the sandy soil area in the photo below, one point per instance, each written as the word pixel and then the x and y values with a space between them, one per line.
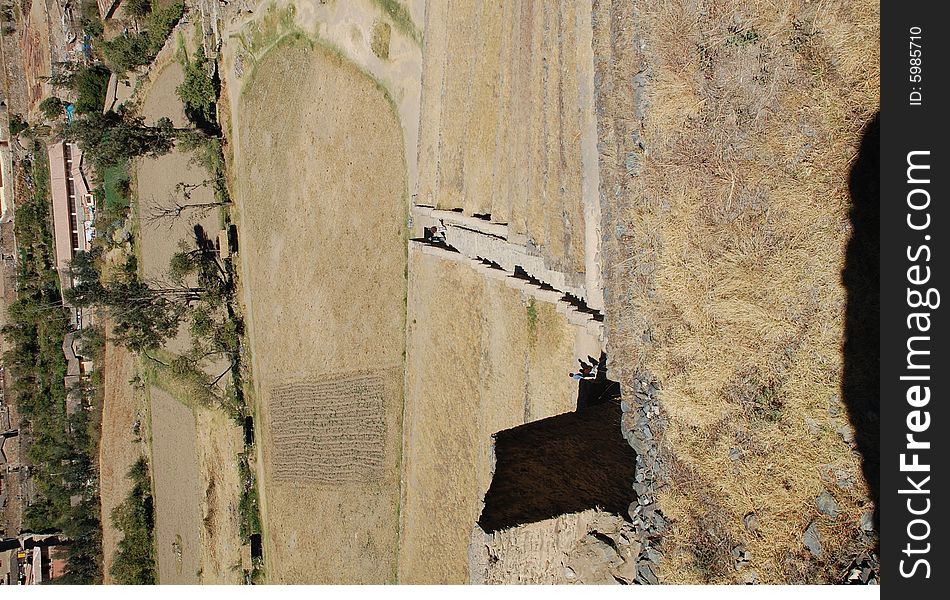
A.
pixel 119 447
pixel 480 359
pixel 176 478
pixel 322 216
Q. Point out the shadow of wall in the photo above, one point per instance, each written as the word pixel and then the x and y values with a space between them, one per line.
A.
pixel 860 385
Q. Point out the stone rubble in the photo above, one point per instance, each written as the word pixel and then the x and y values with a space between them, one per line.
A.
pixel 642 425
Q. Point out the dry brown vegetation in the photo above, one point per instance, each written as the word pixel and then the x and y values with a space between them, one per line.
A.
pixel 219 441
pixel 477 364
pixel 725 258
pixel 320 192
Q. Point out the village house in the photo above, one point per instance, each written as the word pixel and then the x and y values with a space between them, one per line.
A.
pixel 73 212
pixel 73 232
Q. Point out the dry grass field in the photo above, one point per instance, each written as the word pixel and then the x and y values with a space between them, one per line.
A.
pixel 219 440
pixel 320 191
pixel 503 115
pixel 481 358
pixel 726 248
pixel 119 446
pixel 176 479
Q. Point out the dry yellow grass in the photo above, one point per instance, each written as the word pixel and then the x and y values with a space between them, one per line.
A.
pixel 320 192
pixel 729 258
pixel 219 441
pixel 502 118
pixel 477 364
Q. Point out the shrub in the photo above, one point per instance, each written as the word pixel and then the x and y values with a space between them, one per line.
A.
pixel 126 52
pixel 17 124
pixel 137 9
pixel 131 50
pixel 199 92
pixel 52 108
pixel 91 84
pixel 134 562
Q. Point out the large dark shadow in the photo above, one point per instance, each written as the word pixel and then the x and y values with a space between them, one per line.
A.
pixel 563 464
pixel 860 384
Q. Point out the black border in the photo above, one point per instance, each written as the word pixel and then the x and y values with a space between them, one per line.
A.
pixel 905 128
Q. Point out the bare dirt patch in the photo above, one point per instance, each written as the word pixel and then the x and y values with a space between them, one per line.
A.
pixel 479 361
pixel 177 492
pixel 322 219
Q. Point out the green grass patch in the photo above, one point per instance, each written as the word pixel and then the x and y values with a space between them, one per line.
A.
pixel 249 506
pixel 115 184
pixel 401 18
pixel 531 309
pixel 134 562
pixel 382 33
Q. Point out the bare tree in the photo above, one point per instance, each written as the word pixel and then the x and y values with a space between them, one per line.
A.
pixel 179 204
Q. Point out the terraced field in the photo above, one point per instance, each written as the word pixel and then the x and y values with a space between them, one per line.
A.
pixel 505 114
pixel 503 139
pixel 324 260
pixel 484 355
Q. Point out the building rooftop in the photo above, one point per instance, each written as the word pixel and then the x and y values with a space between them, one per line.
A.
pixel 73 206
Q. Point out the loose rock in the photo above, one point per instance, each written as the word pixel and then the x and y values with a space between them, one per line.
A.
pixel 846 433
pixel 811 540
pixel 827 505
pixel 751 522
pixel 867 521
pixel 645 575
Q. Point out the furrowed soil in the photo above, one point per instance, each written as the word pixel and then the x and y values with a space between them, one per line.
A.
pixel 507 358
pixel 321 198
